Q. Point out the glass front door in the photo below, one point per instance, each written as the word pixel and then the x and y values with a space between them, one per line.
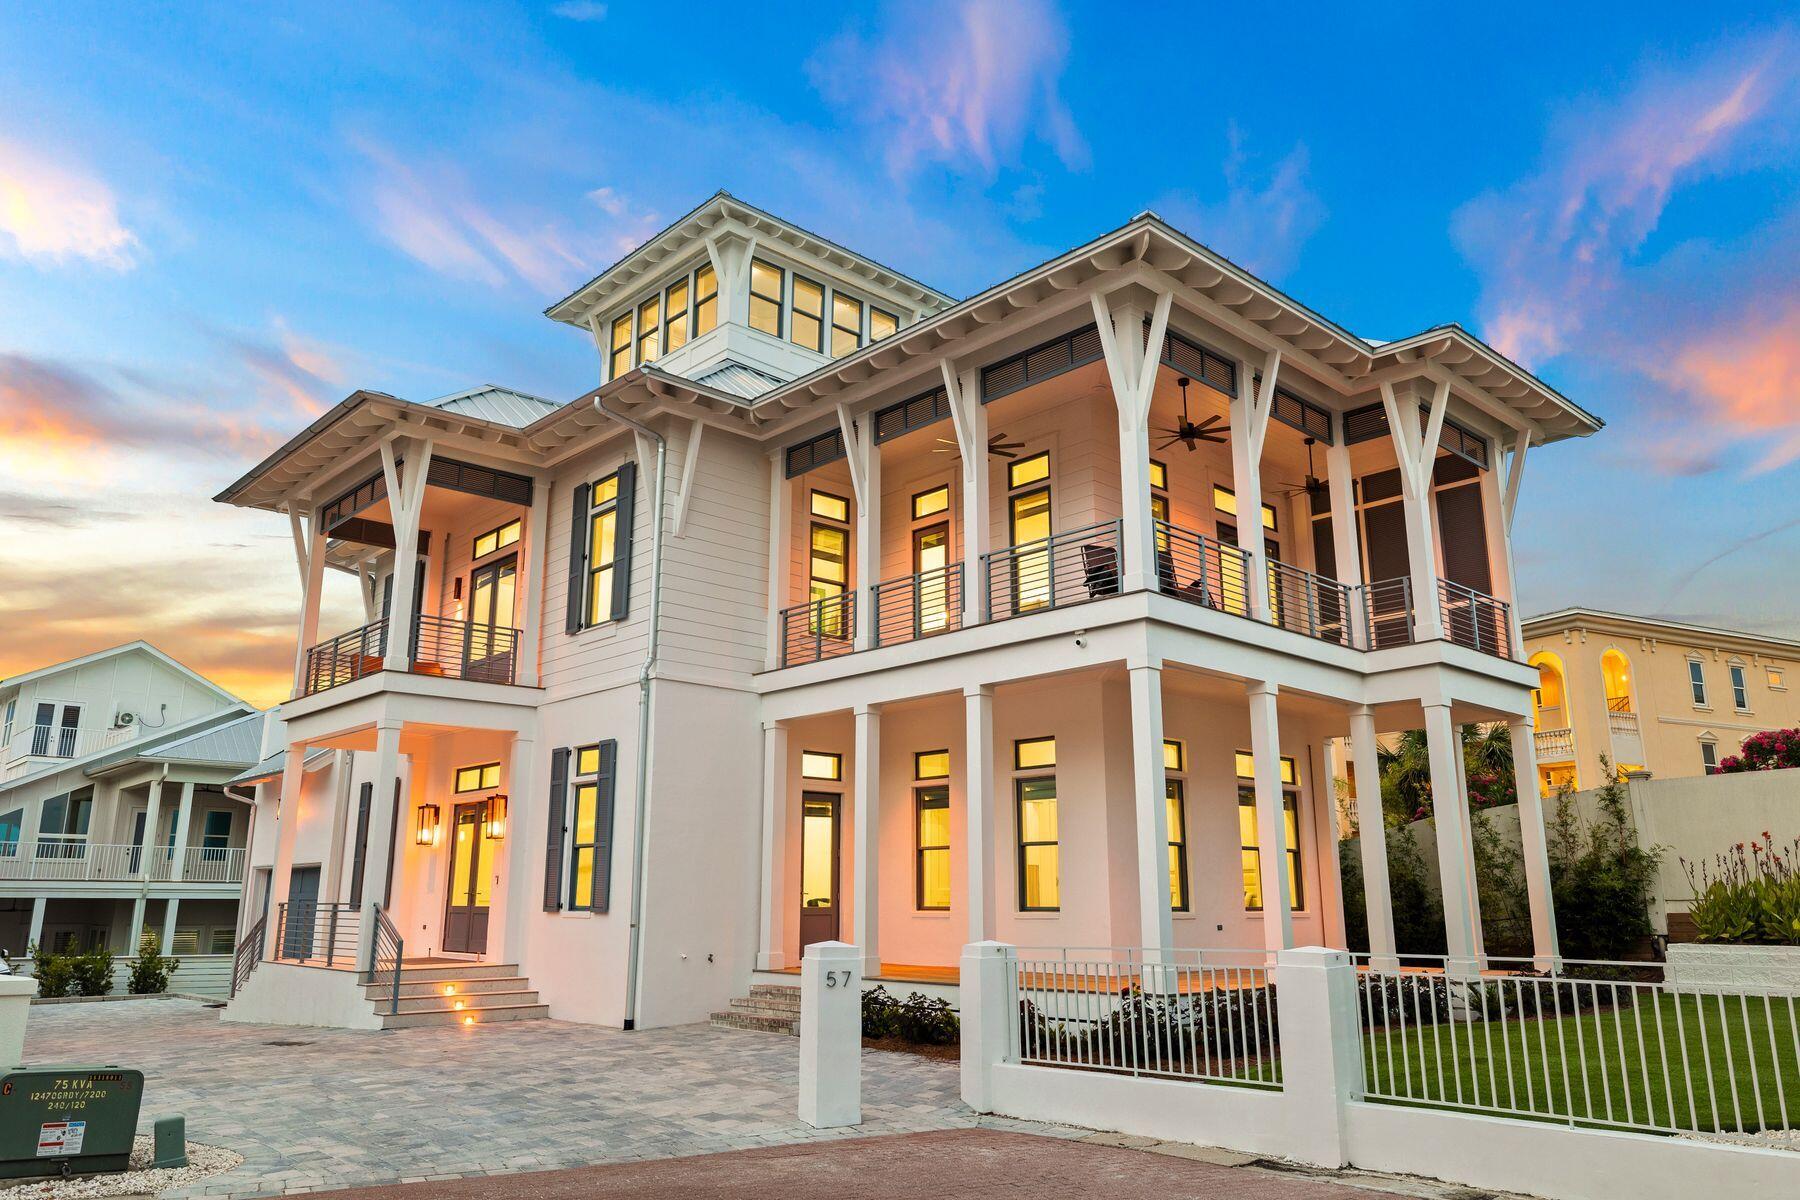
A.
pixel 931 562
pixel 471 881
pixel 818 868
pixel 492 590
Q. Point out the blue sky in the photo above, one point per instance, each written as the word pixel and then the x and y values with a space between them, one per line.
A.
pixel 215 221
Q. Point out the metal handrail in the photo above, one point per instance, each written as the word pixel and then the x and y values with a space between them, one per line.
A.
pixel 249 952
pixel 345 658
pixel 1387 613
pixel 1304 602
pixel 822 628
pixel 1071 567
pixel 387 956
pixel 917 606
pixel 1475 619
pixel 1200 570
pixel 440 646
pixel 307 931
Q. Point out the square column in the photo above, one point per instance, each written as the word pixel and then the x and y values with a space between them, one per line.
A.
pixel 970 419
pixel 171 907
pixel 1346 549
pixel 183 816
pixel 769 951
pixel 531 594
pixel 1150 794
pixel 1456 869
pixel 134 937
pixel 1371 827
pixel 866 890
pixel 780 519
pixel 309 554
pixel 36 933
pixel 978 804
pixel 384 818
pixel 152 815
pixel 1271 817
pixel 514 902
pixel 1538 892
pixel 287 818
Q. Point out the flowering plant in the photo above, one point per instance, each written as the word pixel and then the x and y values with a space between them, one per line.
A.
pixel 1750 893
pixel 1770 750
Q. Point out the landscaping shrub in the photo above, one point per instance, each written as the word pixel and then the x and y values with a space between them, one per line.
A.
pixel 1748 896
pixel 1600 877
pixel 91 971
pixel 920 1020
pixel 1770 751
pixel 54 972
pixel 150 973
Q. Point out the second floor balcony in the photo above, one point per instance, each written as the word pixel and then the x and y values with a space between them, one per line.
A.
pixel 77 860
pixel 440 646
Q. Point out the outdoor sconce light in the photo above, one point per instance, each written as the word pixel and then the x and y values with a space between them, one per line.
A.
pixel 426 832
pixel 496 816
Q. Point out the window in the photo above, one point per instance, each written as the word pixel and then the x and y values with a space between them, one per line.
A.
pixel 1709 756
pixel 603 547
pixel 765 297
pixel 933 870
pixel 1225 500
pixel 1030 754
pixel 706 301
pixel 185 941
pixel 478 778
pixel 621 347
pixel 1159 475
pixel 12 710
pixel 930 503
pixel 649 330
pixel 497 539
pixel 215 832
pixel 832 508
pixel 1028 470
pixel 1175 796
pixel 806 326
pixel 821 764
pixel 1249 849
pixel 219 940
pixel 1740 689
pixel 1697 681
pixel 829 579
pixel 10 826
pixel 675 315
pixel 1159 503
pixel 1776 680
pixel 1028 519
pixel 1038 879
pixel 584 827
pixel 931 764
pixel 846 324
pixel 882 324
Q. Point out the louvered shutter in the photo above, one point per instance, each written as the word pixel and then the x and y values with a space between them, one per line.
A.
pixel 578 557
pixel 554 829
pixel 603 824
pixel 359 862
pixel 621 579
pixel 1462 528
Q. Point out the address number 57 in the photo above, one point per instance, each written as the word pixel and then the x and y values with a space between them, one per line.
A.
pixel 838 979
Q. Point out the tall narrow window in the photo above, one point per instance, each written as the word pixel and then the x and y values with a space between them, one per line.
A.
pixel 806 327
pixel 706 301
pixel 1250 848
pixel 1697 682
pixel 603 548
pixel 1175 796
pixel 1028 511
pixel 1709 757
pixel 675 315
pixel 621 347
pixel 584 844
pixel 1740 690
pixel 1039 883
pixel 846 324
pixel 830 574
pixel 933 804
pixel 882 324
pixel 649 330
pixel 765 297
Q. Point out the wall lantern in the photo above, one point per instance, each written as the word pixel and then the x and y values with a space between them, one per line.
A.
pixel 425 833
pixel 496 816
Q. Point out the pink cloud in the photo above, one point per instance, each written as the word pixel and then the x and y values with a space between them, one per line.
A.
pixel 1264 216
pixel 52 211
pixel 1746 373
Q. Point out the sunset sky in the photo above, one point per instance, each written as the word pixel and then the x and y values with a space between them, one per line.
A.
pixel 216 222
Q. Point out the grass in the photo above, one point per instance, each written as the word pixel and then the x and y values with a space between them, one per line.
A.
pixel 1694 1063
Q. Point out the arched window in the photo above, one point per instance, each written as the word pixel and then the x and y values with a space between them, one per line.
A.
pixel 1615 673
pixel 1548 698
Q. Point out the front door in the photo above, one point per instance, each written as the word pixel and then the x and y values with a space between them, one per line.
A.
pixel 931 562
pixel 471 881
pixel 491 592
pixel 818 868
pixel 302 913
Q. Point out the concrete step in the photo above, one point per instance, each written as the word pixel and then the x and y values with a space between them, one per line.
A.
pixel 780 991
pixel 451 972
pixel 464 987
pixel 473 1002
pixel 762 1024
pixel 766 1004
pixel 486 1016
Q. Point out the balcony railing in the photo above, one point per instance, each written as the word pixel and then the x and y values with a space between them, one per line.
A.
pixel 441 646
pixel 1387 613
pixel 1555 745
pixel 1622 722
pixel 918 605
pixel 1200 570
pixel 1052 572
pixel 1307 603
pixel 1475 619
pixel 77 860
pixel 307 931
pixel 65 741
pixel 818 629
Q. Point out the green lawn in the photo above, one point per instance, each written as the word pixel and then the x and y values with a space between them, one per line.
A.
pixel 1702 1063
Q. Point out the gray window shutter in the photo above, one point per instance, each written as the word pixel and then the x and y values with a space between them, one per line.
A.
pixel 358 862
pixel 553 837
pixel 1462 527
pixel 621 581
pixel 603 824
pixel 578 558
pixel 387 888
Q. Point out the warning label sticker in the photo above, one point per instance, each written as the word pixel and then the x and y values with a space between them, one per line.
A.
pixel 60 1137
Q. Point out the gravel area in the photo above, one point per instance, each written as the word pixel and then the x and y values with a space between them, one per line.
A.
pixel 140 1180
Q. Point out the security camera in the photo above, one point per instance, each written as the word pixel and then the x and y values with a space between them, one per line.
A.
pixel 1081 641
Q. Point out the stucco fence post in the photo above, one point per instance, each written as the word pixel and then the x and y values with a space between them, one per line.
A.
pixel 831 1035
pixel 985 994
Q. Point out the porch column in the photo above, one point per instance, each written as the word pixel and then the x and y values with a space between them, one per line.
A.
pixel 1532 841
pixel 287 817
pixel 406 498
pixel 969 416
pixel 1250 409
pixel 867 892
pixel 1346 550
pixel 1509 501
pixel 1371 828
pixel 1131 365
pixel 978 804
pixel 531 619
pixel 385 813
pixel 1271 817
pixel 36 933
pixel 770 954
pixel 1326 827
pixel 515 898
pixel 780 522
pixel 171 907
pixel 152 845
pixel 863 457
pixel 184 813
pixel 1450 810
pixel 1150 792
pixel 309 555
pixel 1417 454
pixel 134 936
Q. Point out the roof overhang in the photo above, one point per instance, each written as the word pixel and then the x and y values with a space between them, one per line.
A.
pixel 1655 629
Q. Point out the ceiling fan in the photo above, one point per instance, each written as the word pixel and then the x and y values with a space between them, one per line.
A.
pixel 998 445
pixel 1312 485
pixel 1187 432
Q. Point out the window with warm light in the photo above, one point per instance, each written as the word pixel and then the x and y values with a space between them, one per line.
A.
pixel 832 508
pixel 765 297
pixel 1250 847
pixel 603 547
pixel 806 324
pixel 675 316
pixel 846 324
pixel 620 359
pixel 1159 475
pixel 931 764
pixel 1776 678
pixel 1615 675
pixel 584 828
pixel 1032 754
pixel 933 852
pixel 1175 796
pixel 497 539
pixel 649 330
pixel 1028 471
pixel 882 324
pixel 930 503
pixel 706 301
pixel 1225 500
pixel 478 778
pixel 820 764
pixel 1038 863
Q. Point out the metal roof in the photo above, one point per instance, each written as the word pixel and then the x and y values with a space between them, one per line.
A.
pixel 231 744
pixel 736 379
pixel 490 402
pixel 273 766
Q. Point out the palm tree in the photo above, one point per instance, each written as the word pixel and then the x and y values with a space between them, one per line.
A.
pixel 1406 771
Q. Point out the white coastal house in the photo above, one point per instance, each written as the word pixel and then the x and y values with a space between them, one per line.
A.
pixel 846 609
pixel 115 814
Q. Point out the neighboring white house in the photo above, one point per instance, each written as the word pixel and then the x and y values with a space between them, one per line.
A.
pixel 843 609
pixel 114 817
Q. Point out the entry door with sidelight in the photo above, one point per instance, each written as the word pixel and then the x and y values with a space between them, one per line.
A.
pixel 492 589
pixel 471 881
pixel 818 868
pixel 302 913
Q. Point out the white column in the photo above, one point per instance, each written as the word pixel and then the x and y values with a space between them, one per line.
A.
pixel 406 495
pixel 309 553
pixel 1345 547
pixel 171 907
pixel 1131 365
pixel 1271 818
pixel 978 805
pixel 152 844
pixel 863 457
pixel 989 1003
pixel 1325 827
pixel 780 521
pixel 36 933
pixel 771 928
pixel 287 819
pixel 134 937
pixel 867 892
pixel 1149 786
pixel 1532 841
pixel 1450 810
pixel 516 897
pixel 1509 501
pixel 1417 454
pixel 184 814
pixel 1320 1052
pixel 969 416
pixel 385 827
pixel 531 595
pixel 1250 410
pixel 1371 827
pixel 830 1036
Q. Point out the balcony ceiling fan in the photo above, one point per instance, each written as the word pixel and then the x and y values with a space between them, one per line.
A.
pixel 1312 485
pixel 998 445
pixel 1189 433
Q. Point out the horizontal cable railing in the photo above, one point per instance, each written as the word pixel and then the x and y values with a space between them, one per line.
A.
pixel 387 959
pixel 464 649
pixel 1171 1014
pixel 1475 619
pixel 1619 1045
pixel 1387 613
pixel 345 658
pixel 918 605
pixel 249 953
pixel 1052 572
pixel 823 628
pixel 1201 570
pixel 316 934
pixel 1310 604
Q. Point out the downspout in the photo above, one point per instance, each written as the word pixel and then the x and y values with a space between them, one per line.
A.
pixel 646 677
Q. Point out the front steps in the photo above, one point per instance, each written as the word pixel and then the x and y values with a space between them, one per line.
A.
pixel 769 1008
pixel 456 994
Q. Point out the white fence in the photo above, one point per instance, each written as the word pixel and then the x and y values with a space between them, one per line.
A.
pixel 78 860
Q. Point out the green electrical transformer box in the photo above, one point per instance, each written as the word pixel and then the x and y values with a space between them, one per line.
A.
pixel 67 1120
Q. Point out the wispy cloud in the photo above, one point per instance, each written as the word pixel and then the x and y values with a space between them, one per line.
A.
pixel 1265 216
pixel 53 211
pixel 299 370
pixel 48 407
pixel 957 82
pixel 1745 372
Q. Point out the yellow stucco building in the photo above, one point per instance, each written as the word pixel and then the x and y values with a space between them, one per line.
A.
pixel 1669 698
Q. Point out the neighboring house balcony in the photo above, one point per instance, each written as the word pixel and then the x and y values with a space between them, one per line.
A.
pixel 1555 745
pixel 36 747
pixel 76 860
